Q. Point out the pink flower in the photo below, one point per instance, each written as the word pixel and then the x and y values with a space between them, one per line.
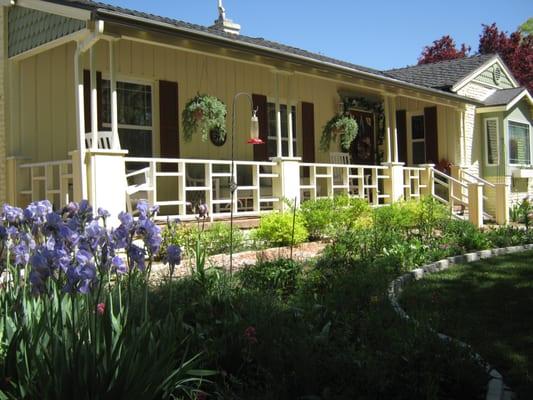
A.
pixel 250 335
pixel 201 396
pixel 100 308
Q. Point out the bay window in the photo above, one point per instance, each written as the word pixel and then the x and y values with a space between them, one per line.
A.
pixel 519 143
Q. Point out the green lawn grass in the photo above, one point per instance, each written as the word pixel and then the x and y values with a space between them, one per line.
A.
pixel 488 304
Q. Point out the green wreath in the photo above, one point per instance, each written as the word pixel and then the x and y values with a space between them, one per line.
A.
pixel 202 114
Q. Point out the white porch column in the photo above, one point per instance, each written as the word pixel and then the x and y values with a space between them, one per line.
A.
pixel 289 119
pixel 80 184
pixel 114 97
pixel 94 100
pixel 287 185
pixel 394 129
pixel 388 131
pixel 278 121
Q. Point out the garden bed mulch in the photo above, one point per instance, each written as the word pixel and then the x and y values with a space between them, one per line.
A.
pixel 300 252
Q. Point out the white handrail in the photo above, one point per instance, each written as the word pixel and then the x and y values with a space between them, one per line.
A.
pixel 451 178
pixel 479 179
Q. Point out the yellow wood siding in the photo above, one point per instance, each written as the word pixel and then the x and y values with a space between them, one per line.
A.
pixel 44 129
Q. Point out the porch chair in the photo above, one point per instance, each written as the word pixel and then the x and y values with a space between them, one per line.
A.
pixel 345 159
pixel 105 140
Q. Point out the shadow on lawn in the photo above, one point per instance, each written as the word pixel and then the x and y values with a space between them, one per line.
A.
pixel 488 305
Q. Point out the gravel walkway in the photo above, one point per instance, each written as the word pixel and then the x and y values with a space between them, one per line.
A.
pixel 301 252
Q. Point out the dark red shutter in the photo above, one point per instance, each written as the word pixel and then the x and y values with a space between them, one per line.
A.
pixel 401 130
pixel 261 151
pixel 87 99
pixel 430 130
pixel 168 121
pixel 308 132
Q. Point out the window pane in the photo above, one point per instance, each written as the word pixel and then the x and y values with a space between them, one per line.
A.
pixel 139 143
pixel 519 150
pixel 419 152
pixel 418 127
pixel 272 148
pixel 134 103
pixel 491 140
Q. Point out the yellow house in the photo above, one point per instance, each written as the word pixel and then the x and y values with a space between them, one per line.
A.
pixel 92 97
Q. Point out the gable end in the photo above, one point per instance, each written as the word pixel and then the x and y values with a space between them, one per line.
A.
pixel 495 76
pixel 28 29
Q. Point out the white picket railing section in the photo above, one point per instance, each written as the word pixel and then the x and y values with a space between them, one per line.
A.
pixel 327 180
pixel 412 182
pixel 178 186
pixel 47 180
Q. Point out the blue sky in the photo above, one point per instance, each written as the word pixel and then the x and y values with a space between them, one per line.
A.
pixel 381 34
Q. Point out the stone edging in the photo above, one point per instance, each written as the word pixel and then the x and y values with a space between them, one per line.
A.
pixel 495 388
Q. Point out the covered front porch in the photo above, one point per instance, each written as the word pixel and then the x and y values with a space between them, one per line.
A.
pixel 114 135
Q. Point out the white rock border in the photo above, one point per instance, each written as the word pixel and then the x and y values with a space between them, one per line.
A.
pixel 496 389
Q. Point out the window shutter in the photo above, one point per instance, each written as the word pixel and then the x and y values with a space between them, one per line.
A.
pixel 168 122
pixel 260 103
pixel 491 141
pixel 401 129
pixel 308 132
pixel 87 99
pixel 432 146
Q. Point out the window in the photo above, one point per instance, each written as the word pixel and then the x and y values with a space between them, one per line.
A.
pixel 418 139
pixel 134 116
pixel 272 136
pixel 492 151
pixel 519 143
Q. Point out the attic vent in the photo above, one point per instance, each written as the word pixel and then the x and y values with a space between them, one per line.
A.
pixel 497 74
pixel 225 24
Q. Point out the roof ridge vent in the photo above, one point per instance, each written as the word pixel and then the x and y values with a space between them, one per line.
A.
pixel 225 24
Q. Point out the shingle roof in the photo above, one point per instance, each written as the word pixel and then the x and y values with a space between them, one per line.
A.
pixel 440 75
pixel 94 5
pixel 503 96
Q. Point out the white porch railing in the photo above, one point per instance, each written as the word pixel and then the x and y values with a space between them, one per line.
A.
pixel 50 180
pixel 412 182
pixel 326 180
pixel 177 186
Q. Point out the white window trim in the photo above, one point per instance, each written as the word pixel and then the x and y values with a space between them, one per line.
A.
pixel 509 136
pixel 138 81
pixel 410 140
pixel 485 120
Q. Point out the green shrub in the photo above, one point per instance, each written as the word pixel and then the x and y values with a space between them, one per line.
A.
pixel 217 238
pixel 317 216
pixel 275 229
pixel 280 275
pixel 464 235
pixel 326 217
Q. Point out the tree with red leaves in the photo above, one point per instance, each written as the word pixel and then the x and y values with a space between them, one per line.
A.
pixel 441 50
pixel 516 51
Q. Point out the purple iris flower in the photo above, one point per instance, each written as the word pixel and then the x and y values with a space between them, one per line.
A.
pixel 173 256
pixel 119 265
pixel 12 214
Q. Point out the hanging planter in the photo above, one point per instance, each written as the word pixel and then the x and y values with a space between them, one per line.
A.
pixel 204 114
pixel 342 126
